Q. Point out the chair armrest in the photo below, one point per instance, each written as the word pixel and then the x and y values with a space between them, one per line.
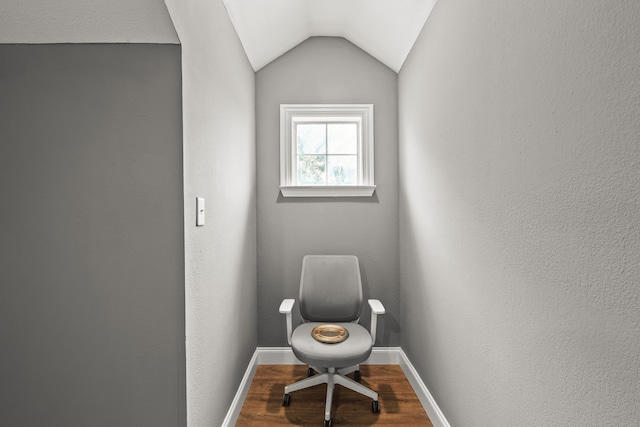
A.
pixel 376 308
pixel 286 307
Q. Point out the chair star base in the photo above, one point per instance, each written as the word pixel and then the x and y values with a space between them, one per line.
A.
pixel 331 377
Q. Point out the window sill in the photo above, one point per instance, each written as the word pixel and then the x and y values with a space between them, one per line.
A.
pixel 327 190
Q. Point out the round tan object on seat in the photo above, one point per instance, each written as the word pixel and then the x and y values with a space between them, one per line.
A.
pixel 329 334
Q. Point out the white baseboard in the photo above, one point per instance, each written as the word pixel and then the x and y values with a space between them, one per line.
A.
pixel 285 356
pixel 277 356
pixel 236 405
pixel 379 356
pixel 428 402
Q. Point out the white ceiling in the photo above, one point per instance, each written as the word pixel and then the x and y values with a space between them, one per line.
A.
pixel 386 29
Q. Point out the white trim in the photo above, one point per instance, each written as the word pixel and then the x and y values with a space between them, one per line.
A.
pixel 238 400
pixel 277 356
pixel 379 356
pixel 285 356
pixel 327 190
pixel 428 402
pixel 384 356
pixel 362 114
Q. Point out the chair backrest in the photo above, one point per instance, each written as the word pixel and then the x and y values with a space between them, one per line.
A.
pixel 330 288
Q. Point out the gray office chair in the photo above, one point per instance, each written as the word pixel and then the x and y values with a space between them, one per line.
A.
pixel 331 293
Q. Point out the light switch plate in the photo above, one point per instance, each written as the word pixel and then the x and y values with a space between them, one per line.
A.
pixel 199 211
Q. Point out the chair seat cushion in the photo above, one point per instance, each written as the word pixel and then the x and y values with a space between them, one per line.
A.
pixel 352 351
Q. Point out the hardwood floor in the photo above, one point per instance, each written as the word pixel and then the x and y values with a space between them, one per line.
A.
pixel 399 405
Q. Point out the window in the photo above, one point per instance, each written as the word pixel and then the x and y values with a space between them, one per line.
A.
pixel 326 150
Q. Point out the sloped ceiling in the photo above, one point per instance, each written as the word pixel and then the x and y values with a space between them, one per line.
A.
pixel 386 29
pixel 85 21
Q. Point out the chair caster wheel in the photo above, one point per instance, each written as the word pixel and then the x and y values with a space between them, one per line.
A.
pixel 327 423
pixel 375 407
pixel 310 372
pixel 286 399
pixel 357 376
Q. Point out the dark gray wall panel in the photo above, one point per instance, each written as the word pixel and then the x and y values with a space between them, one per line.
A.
pixel 91 219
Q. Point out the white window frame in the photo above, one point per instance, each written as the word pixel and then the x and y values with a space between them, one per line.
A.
pixel 291 114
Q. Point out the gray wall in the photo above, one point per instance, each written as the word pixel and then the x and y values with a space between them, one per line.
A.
pixel 326 70
pixel 219 165
pixel 519 211
pixel 91 219
pixel 86 21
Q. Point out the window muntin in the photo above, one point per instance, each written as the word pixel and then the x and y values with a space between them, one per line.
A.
pixel 327 153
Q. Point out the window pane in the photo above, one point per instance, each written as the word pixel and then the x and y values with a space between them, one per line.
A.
pixel 342 138
pixel 343 170
pixel 312 138
pixel 311 170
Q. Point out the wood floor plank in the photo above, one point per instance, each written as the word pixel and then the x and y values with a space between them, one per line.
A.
pixel 398 402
